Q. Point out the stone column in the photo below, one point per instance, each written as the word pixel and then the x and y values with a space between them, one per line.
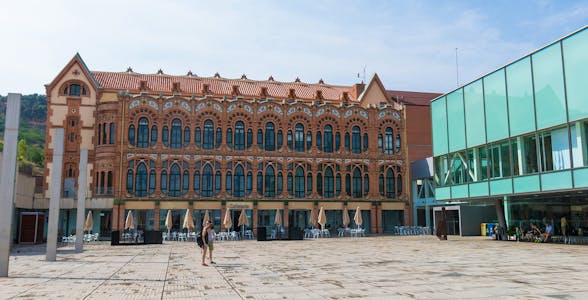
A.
pixel 254 218
pixel 156 217
pixel 223 213
pixel 55 198
pixel 373 219
pixel 81 209
pixel 8 179
pixel 285 216
pixel 379 229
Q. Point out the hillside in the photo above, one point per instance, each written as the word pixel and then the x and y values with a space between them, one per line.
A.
pixel 33 113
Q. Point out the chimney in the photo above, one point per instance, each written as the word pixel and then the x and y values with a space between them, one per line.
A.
pixel 357 90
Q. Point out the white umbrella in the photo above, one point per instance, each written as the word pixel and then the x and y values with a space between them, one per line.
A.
pixel 357 218
pixel 130 222
pixel 243 221
pixel 322 218
pixel 313 218
pixel 168 221
pixel 89 224
pixel 228 222
pixel 206 218
pixel 278 218
pixel 346 220
pixel 188 220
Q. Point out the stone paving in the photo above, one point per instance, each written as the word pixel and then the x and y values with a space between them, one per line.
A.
pixel 386 267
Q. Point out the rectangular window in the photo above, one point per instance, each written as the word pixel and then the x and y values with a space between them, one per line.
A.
pixel 554 150
pixel 456 123
pixel 439 119
pixel 495 104
pixel 526 151
pixel 521 107
pixel 474 111
pixel 459 171
pixel 441 171
pixel 478 164
pixel 579 133
pixel 549 86
pixel 575 48
pixel 499 158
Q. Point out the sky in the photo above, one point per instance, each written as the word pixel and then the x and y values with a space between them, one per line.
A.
pixel 411 45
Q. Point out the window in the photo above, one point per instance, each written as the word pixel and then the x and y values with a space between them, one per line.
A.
pixel 239 184
pixel 196 184
pixel 348 184
pixel 219 137
pixel 366 184
pixel 579 134
pixel 365 142
pixel 328 139
pixel 319 141
pixel 398 144
pixel 337 141
pixel 74 90
pixel 308 140
pixel 239 135
pixel 141 181
pixel 398 182
pixel 131 134
pixel 319 184
pixel 249 138
pixel 289 139
pixel 130 181
pixel 187 135
pixel 109 183
pixel 280 182
pixel 459 172
pixel 478 161
pixel 151 181
pixel 299 183
pixel 176 134
pixel 357 183
pixel 269 137
pixel 525 148
pixel 208 136
pixel 270 182
pixel 356 140
pixel 299 138
pixel 165 136
pixel 389 141
pixel 217 183
pixel 279 139
pixel 207 181
pixel 143 133
pixel 111 135
pixel 104 135
pixel 153 135
pixel 499 159
pixel 185 182
pixel 99 134
pixel 249 183
pixel 230 138
pixel 259 183
pixel 197 137
pixel 174 181
pixel 338 185
pixel 163 182
pixel 347 143
pixel 329 183
pixel 260 138
pixel 229 183
pixel 290 184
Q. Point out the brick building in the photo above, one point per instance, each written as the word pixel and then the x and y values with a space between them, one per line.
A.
pixel 159 142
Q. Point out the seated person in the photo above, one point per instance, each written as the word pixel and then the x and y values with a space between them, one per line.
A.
pixel 548 232
pixel 534 233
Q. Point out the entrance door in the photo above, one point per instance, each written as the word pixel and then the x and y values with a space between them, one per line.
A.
pixel 105 223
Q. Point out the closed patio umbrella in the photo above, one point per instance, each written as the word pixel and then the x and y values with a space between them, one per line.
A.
pixel 243 221
pixel 188 220
pixel 89 224
pixel 278 218
pixel 228 222
pixel 130 222
pixel 168 220
pixel 322 218
pixel 357 218
pixel 206 218
pixel 346 220
pixel 313 218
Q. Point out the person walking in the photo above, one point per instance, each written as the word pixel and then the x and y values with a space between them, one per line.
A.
pixel 204 236
pixel 442 226
pixel 211 239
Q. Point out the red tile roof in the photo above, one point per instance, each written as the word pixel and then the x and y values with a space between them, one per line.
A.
pixel 162 83
pixel 412 98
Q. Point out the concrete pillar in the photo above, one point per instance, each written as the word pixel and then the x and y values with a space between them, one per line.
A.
pixel 8 179
pixel 82 186
pixel 501 218
pixel 55 198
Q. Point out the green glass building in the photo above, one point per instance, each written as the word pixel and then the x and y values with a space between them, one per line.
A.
pixel 518 137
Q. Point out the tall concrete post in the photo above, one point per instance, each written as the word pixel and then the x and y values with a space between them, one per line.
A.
pixel 55 187
pixel 82 182
pixel 8 179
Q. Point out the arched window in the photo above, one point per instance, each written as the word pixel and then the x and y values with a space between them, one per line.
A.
pixel 197 137
pixel 398 182
pixel 389 141
pixel 390 184
pixel 289 139
pixel 348 184
pixel 239 184
pixel 308 183
pixel 208 136
pixel 131 135
pixel 299 183
pixel 289 184
pixel 174 181
pixel 319 184
pixel 229 183
pixel 398 143
pixel 230 137
pixel 280 138
pixel 338 185
pixel 347 142
pixel 319 141
pixel 260 138
pixel 196 184
pixel 260 183
pixel 249 138
pixel 328 139
pixel 163 182
pixel 357 183
pixel 356 139
pixel 151 182
pixel 104 135
pixel 329 184
pixel 186 136
pixel 217 183
pixel 111 135
pixel 99 134
pixel 269 137
pixel 337 141
pixel 165 136
pixel 299 138
pixel 366 184
pixel 308 140
pixel 141 180
pixel 153 135
pixel 249 183
pixel 143 133
pixel 75 90
pixel 280 183
pixel 185 182
pixel 176 134
pixel 219 137
pixel 207 181
pixel 130 181
pixel 380 143
pixel 365 142
pixel 239 135
pixel 270 182
pixel 381 186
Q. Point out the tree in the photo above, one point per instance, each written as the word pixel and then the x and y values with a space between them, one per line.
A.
pixel 23 150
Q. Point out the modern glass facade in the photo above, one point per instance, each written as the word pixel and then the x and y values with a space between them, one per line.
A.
pixel 521 129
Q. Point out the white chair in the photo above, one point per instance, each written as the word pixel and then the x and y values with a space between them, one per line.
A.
pixel 174 236
pixel 164 236
pixel 316 233
pixel 340 232
pixel 182 237
pixel 325 233
pixel 273 234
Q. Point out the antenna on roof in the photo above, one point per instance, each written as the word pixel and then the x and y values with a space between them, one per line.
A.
pixel 456 68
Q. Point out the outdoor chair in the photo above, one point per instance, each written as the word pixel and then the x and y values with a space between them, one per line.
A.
pixel 341 232
pixel 316 233
pixel 325 233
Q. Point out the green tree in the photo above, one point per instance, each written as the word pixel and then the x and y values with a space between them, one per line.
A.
pixel 23 150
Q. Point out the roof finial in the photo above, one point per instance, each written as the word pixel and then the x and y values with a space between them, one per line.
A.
pixel 321 81
pixel 271 78
pixel 160 72
pixel 243 76
pixel 216 75
pixel 129 70
pixel 297 79
pixel 190 73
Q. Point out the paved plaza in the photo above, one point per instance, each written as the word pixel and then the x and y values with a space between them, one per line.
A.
pixel 387 267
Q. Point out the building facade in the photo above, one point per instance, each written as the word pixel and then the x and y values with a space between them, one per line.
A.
pixel 159 142
pixel 517 138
